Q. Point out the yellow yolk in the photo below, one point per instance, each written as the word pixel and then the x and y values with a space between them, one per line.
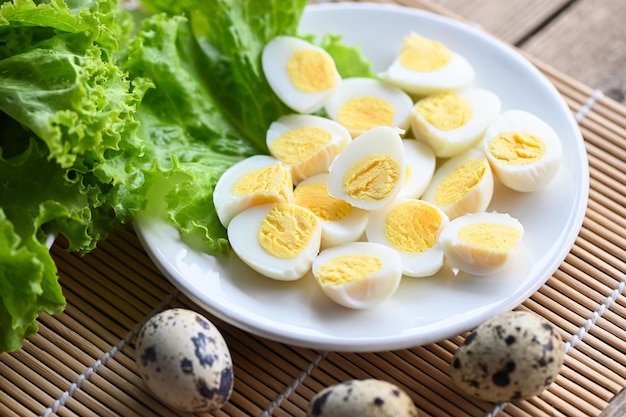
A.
pixel 413 226
pixel 348 268
pixel 298 144
pixel 311 71
pixel 422 54
pixel 315 197
pixel 373 178
pixel 286 230
pixel 364 113
pixel 445 111
pixel 456 185
pixel 268 180
pixel 490 236
pixel 517 148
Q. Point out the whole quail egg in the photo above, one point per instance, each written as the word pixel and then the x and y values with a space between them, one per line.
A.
pixel 513 356
pixel 184 361
pixel 363 398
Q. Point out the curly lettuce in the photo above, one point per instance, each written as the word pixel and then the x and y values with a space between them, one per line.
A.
pixel 102 111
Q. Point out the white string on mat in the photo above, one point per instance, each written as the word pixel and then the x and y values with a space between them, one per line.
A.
pixel 588 104
pixel 294 385
pixel 87 373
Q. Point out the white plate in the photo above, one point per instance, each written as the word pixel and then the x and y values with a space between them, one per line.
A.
pixel 423 310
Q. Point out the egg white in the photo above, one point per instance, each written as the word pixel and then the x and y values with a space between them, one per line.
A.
pixel 530 176
pixel 420 167
pixel 486 107
pixel 343 230
pixel 367 291
pixel 274 61
pixel 228 204
pixel 456 74
pixel 414 264
pixel 243 237
pixel 318 161
pixel 476 199
pixel 354 88
pixel 472 259
pixel 380 140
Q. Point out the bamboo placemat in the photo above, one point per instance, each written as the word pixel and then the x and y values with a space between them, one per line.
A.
pixel 81 363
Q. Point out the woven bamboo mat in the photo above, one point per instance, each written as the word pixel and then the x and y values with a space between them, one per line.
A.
pixel 81 363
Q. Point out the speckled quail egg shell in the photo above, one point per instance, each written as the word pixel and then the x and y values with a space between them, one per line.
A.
pixel 184 361
pixel 513 356
pixel 363 398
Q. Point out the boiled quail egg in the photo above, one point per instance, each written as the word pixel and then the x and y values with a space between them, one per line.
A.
pixel 358 275
pixel 370 171
pixel 420 167
pixel 279 241
pixel 306 144
pixel 412 228
pixel 463 184
pixel 425 66
pixel 523 150
pixel 482 243
pixel 301 74
pixel 259 179
pixel 360 104
pixel 184 360
pixel 341 222
pixel 452 122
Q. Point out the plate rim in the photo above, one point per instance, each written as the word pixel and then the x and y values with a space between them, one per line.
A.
pixel 234 317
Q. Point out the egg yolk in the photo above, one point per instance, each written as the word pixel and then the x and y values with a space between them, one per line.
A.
pixel 286 230
pixel 315 197
pixel 311 71
pixel 490 236
pixel 372 178
pixel 348 268
pixel 366 112
pixel 423 55
pixel 269 184
pixel 298 144
pixel 445 111
pixel 517 148
pixel 456 185
pixel 412 226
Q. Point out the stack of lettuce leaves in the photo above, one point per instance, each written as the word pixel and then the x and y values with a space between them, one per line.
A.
pixel 102 108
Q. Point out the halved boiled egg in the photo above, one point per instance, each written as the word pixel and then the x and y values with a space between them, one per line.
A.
pixel 523 150
pixel 420 167
pixel 256 180
pixel 279 241
pixel 482 243
pixel 370 171
pixel 359 274
pixel 306 144
pixel 463 184
pixel 425 66
pixel 363 103
pixel 301 74
pixel 452 122
pixel 412 228
pixel 341 222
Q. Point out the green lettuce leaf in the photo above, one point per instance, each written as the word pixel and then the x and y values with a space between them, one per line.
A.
pixel 232 34
pixel 102 120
